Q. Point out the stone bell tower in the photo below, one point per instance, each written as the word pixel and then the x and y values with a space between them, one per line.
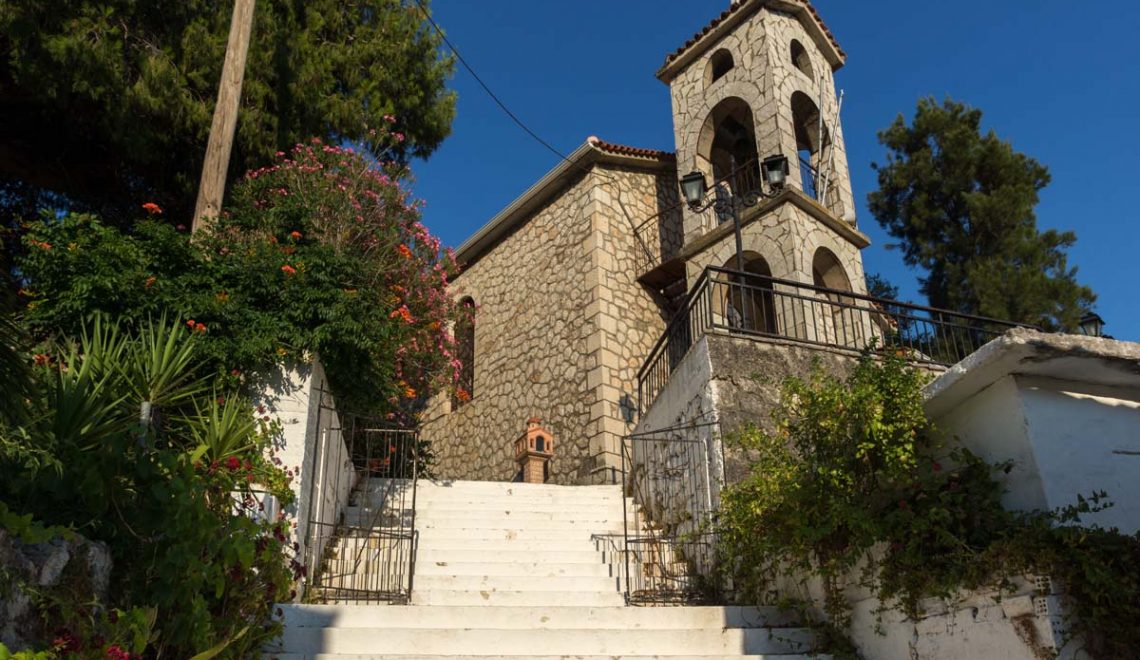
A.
pixel 758 81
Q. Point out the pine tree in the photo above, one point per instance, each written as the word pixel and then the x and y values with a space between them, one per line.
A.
pixel 961 203
pixel 105 104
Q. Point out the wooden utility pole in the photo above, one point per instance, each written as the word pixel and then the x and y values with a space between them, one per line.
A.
pixel 212 187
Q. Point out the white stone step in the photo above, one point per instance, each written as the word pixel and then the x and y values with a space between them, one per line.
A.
pixel 481 642
pixel 586 514
pixel 548 617
pixel 510 487
pixel 518 569
pixel 516 598
pixel 506 522
pixel 386 656
pixel 515 583
pixel 512 555
pixel 430 535
pixel 582 544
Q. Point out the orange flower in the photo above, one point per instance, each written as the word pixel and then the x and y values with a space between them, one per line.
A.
pixel 288 249
pixel 288 270
pixel 41 359
pixel 222 296
pixel 150 281
pixel 402 312
pixel 405 251
pixel 152 208
pixel 199 328
pixel 462 395
pixel 296 235
pixel 43 245
pixel 190 323
pixel 409 393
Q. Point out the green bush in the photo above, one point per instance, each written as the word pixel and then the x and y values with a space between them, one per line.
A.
pixel 147 456
pixel 852 475
pixel 321 253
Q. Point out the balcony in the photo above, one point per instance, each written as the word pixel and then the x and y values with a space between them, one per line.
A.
pixel 748 305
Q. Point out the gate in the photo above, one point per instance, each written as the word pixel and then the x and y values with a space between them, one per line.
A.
pixel 669 545
pixel 360 537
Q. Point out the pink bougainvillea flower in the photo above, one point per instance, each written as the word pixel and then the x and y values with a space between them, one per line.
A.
pixel 181 227
pixel 288 270
pixel 152 208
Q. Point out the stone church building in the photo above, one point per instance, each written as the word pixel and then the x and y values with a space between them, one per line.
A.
pixel 590 291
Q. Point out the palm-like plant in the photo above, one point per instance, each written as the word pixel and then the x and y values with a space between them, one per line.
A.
pixel 224 427
pixel 14 371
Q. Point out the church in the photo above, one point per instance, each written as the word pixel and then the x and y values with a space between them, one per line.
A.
pixel 602 300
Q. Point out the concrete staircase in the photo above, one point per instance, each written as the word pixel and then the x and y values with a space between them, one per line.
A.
pixel 513 570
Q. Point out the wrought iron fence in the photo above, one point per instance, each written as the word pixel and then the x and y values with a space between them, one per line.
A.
pixel 751 305
pixel 360 541
pixel 667 553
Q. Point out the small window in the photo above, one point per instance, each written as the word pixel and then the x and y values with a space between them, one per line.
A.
pixel 720 64
pixel 801 60
pixel 465 353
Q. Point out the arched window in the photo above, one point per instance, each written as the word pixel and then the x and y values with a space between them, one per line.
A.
pixel 727 147
pixel 748 301
pixel 720 64
pixel 809 142
pixel 801 60
pixel 465 352
pixel 836 318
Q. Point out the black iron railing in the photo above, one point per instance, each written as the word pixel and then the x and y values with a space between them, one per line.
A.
pixel 360 542
pixel 747 304
pixel 667 553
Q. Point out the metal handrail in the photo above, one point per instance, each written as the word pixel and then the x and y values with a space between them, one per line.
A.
pixel 964 330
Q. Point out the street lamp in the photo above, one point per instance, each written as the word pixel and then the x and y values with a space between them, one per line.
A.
pixel 1092 325
pixel 774 170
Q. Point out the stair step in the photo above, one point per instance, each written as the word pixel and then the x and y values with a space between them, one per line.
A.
pixel 519 569
pixel 387 656
pixel 452 543
pixel 516 583
pixel 516 598
pixel 477 642
pixel 432 534
pixel 545 617
pixel 511 555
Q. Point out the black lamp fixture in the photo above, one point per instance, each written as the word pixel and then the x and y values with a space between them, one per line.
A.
pixel 693 187
pixel 1092 325
pixel 775 171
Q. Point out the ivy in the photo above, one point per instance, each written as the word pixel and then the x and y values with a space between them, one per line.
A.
pixel 851 480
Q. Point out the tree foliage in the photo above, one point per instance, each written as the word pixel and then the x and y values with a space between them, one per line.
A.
pixel 104 101
pixel 321 253
pixel 961 203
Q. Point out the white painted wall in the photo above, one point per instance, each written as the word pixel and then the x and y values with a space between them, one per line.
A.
pixel 312 447
pixel 1085 439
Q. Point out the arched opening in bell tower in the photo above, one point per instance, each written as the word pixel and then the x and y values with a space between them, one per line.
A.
pixel 802 60
pixel 838 321
pixel 719 65
pixel 748 303
pixel 727 146
pixel 809 141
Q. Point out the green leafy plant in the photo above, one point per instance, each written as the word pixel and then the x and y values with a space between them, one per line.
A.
pixel 851 475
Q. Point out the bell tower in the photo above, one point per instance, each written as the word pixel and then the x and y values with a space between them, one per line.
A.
pixel 758 81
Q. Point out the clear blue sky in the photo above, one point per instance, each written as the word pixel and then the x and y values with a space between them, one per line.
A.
pixel 1059 79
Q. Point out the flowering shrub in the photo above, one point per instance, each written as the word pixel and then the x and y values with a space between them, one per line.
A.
pixel 322 252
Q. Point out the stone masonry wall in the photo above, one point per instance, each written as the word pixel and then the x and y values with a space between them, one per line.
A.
pixel 531 358
pixel 562 328
pixel 627 315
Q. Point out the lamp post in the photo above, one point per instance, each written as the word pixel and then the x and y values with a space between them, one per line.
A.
pixel 773 169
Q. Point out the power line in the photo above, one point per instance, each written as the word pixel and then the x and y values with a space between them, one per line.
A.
pixel 494 97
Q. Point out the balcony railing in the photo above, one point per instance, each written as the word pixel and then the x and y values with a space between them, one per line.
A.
pixel 750 305
pixel 810 178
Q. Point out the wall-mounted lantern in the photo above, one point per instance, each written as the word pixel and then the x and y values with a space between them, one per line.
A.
pixel 1092 325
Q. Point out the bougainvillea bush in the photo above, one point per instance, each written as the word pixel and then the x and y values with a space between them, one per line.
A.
pixel 321 253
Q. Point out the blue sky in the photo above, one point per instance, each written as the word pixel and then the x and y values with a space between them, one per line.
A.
pixel 1062 83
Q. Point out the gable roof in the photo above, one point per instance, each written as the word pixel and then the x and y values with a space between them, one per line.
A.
pixel 591 152
pixel 736 14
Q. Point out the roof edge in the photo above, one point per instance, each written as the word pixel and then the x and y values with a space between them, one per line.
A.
pixel 588 154
pixel 737 14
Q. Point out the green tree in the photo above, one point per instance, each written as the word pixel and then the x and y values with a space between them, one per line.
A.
pixel 106 102
pixel 961 203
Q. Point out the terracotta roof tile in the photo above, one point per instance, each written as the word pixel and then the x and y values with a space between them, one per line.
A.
pixel 624 150
pixel 732 10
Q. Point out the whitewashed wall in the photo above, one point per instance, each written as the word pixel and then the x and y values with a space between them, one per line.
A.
pixel 312 447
